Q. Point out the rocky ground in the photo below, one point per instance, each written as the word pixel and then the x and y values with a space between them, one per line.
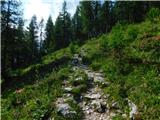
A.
pixel 93 102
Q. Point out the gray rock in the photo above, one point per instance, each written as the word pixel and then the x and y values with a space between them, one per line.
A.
pixel 115 105
pixel 93 96
pixel 68 98
pixel 51 118
pixel 98 74
pixel 90 79
pixel 85 67
pixel 75 55
pixel 124 115
pixel 98 79
pixel 77 59
pixel 90 74
pixel 68 89
pixel 101 71
pixel 112 114
pixel 99 106
pixel 89 111
pixel 134 110
pixel 78 78
pixel 75 68
pixel 65 110
pixel 119 111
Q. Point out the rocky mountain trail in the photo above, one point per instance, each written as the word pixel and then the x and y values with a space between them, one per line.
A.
pixel 93 102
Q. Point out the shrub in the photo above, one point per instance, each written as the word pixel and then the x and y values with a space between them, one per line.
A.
pixel 78 90
pixel 104 43
pixel 116 37
pixel 73 47
pixel 95 65
pixel 132 33
pixel 154 14
pixel 63 73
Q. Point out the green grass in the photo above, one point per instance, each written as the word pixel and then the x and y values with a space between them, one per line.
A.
pixel 29 75
pixel 129 57
pixel 45 61
pixel 34 101
pixel 37 101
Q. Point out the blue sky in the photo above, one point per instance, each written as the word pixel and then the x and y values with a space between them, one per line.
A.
pixel 44 8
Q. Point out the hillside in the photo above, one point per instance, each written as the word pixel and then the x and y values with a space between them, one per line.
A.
pixel 114 76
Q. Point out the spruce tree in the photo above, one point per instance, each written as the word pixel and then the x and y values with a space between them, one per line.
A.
pixel 10 15
pixel 33 37
pixel 49 42
pixel 63 29
pixel 105 16
pixel 87 18
pixel 77 26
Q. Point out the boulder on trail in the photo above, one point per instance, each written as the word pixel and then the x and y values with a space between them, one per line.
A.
pixel 68 89
pixel 93 96
pixel 99 105
pixel 115 105
pixel 65 110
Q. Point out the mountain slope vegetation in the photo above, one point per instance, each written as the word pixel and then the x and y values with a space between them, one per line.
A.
pixel 129 57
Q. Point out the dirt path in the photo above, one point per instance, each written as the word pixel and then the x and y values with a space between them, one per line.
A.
pixel 93 102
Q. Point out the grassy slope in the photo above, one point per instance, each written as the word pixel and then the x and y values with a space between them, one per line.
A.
pixel 37 91
pixel 30 74
pixel 129 56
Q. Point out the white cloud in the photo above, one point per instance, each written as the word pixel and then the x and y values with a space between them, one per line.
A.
pixel 36 7
pixel 44 8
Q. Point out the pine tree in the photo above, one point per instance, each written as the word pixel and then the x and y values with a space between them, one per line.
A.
pixel 49 42
pixel 63 29
pixel 41 25
pixel 33 37
pixel 105 16
pixel 96 7
pixel 10 14
pixel 87 18
pixel 130 11
pixel 77 26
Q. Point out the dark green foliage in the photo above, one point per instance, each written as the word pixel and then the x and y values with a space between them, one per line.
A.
pixel 77 26
pixel 154 14
pixel 116 40
pixel 33 37
pixel 105 16
pixel 63 34
pixel 126 11
pixel 79 89
pixel 10 16
pixel 90 17
pixel 49 42
pixel 118 117
pixel 87 17
pixel 73 47
pixel 95 65
pixel 63 73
